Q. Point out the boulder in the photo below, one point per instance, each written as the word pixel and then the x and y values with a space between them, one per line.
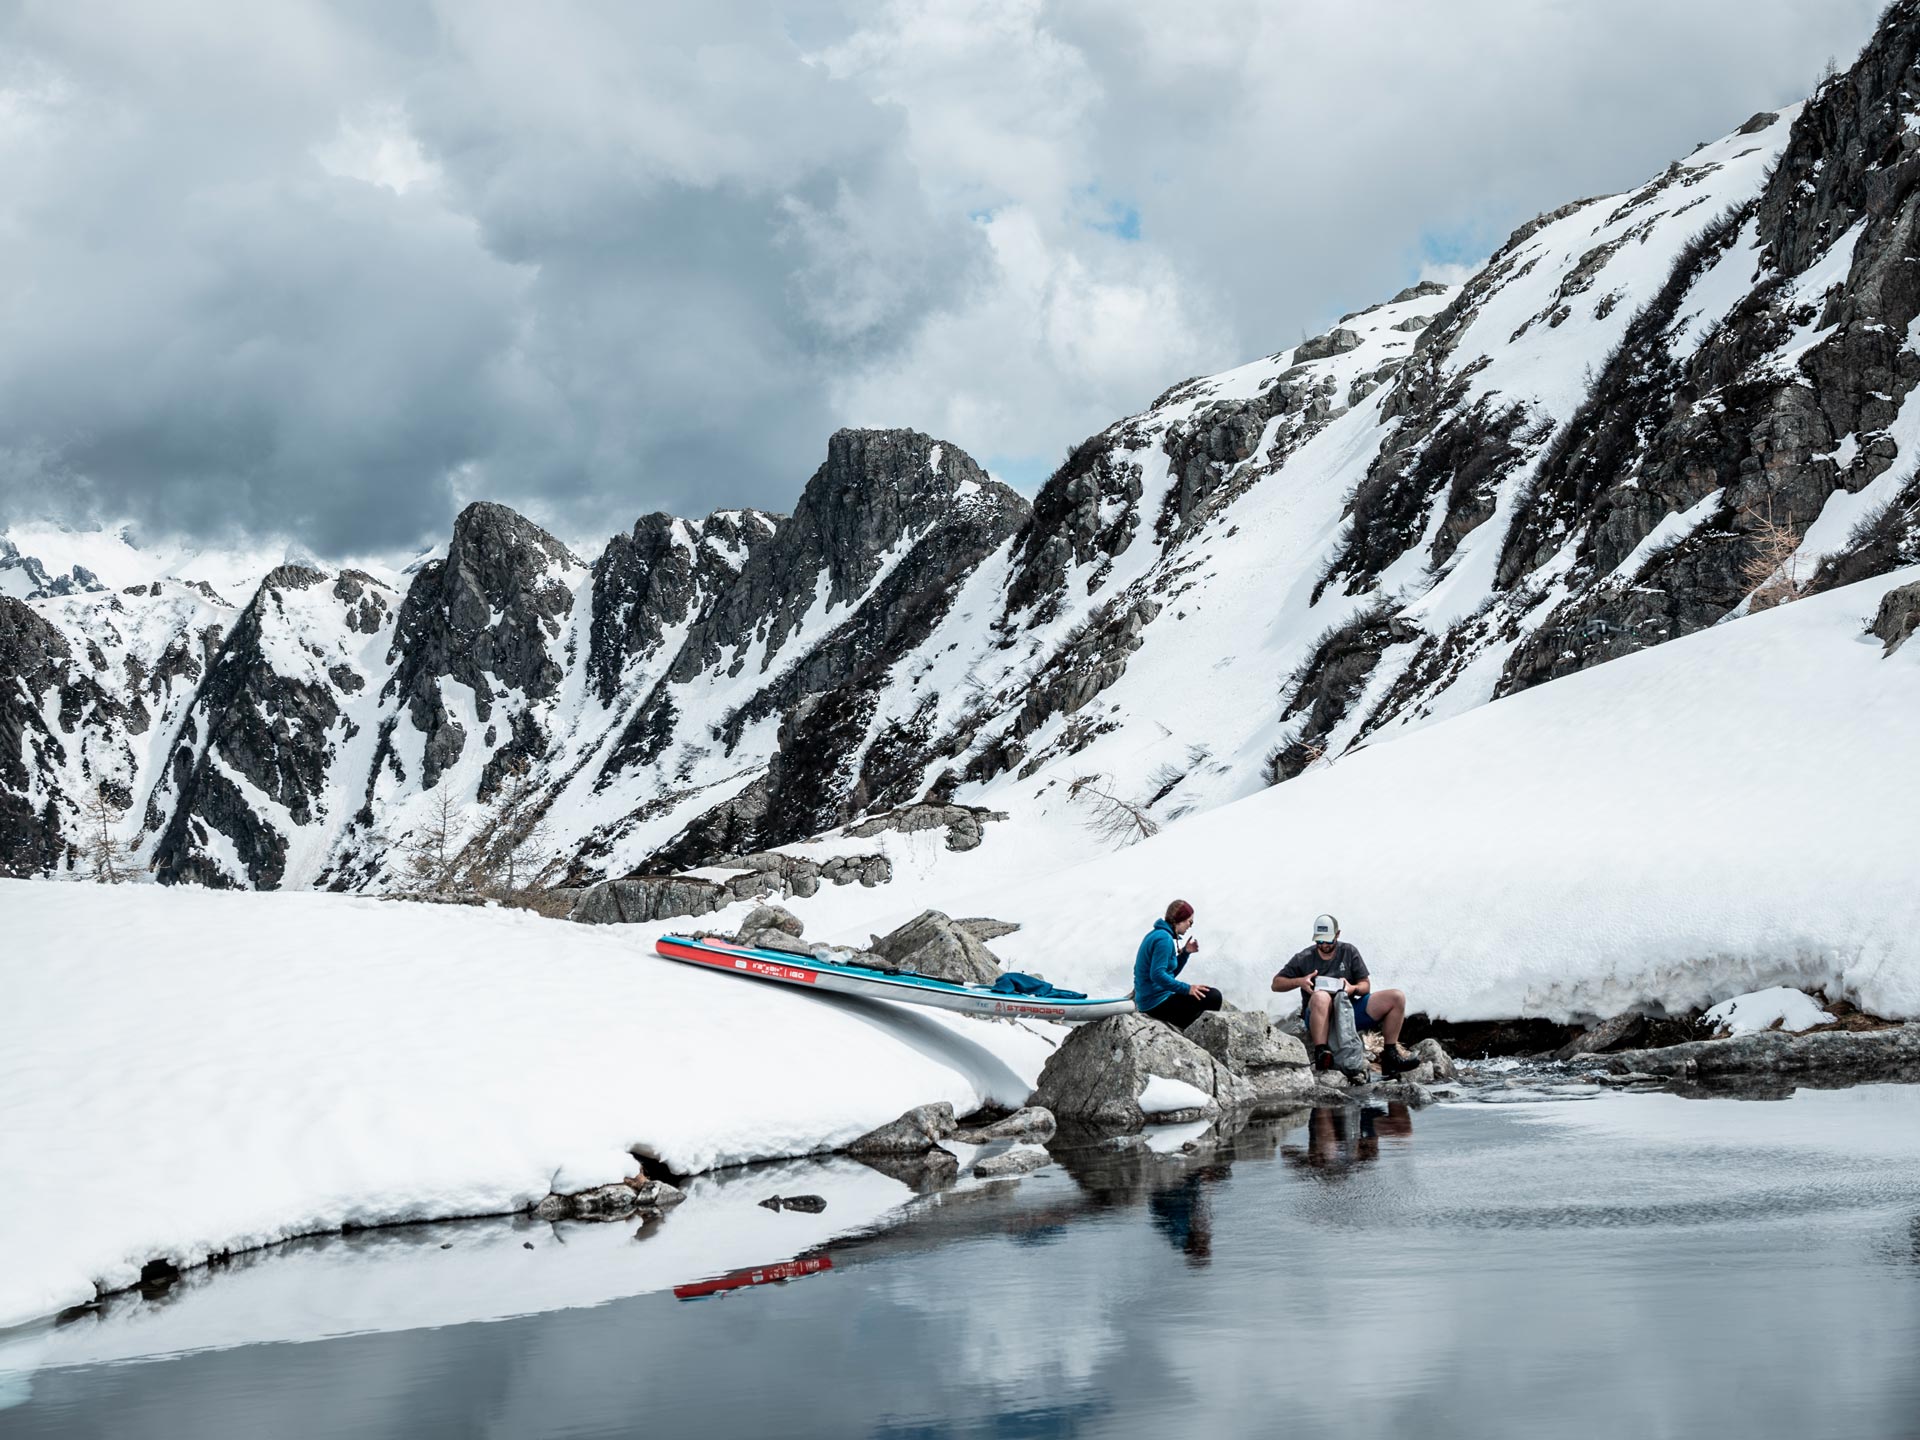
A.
pixel 655 1195
pixel 1897 618
pixel 771 917
pixel 1607 1034
pixel 1018 1160
pixel 1030 1122
pixel 1272 1061
pixel 634 902
pixel 984 929
pixel 605 1202
pixel 771 939
pixel 1322 347
pixel 931 944
pixel 919 1130
pixel 553 1207
pixel 1096 1076
pixel 1431 1052
pixel 1245 1041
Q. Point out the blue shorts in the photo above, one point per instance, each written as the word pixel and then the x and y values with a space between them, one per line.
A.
pixel 1361 1020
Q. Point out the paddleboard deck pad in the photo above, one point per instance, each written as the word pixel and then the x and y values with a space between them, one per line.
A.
pixel 781 968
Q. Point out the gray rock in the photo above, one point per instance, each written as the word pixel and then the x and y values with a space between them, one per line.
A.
pixel 1607 1034
pixel 1245 1041
pixel 1432 1053
pixel 771 917
pixel 634 902
pixel 605 1202
pixel 1839 1054
pixel 655 1194
pixel 931 944
pixel 984 929
pixel 1276 1086
pixel 1097 1074
pixel 553 1207
pixel 777 940
pixel 920 1129
pixel 1030 1122
pixel 1018 1160
pixel 961 822
pixel 1323 347
pixel 1897 618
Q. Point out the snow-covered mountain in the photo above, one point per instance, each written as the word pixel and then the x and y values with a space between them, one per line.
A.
pixel 1647 414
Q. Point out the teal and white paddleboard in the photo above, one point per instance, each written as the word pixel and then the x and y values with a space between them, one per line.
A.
pixel 814 973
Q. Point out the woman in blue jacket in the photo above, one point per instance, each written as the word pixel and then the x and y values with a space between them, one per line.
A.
pixel 1157 989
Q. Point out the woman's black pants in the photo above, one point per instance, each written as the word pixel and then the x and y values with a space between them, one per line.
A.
pixel 1182 1010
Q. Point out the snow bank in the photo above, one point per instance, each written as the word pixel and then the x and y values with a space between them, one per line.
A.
pixel 1732 810
pixel 1778 1006
pixel 186 1071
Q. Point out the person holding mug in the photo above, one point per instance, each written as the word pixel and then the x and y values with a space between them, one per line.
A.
pixel 1157 989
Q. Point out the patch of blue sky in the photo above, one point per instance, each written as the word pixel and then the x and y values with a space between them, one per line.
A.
pixel 1110 216
pixel 1025 473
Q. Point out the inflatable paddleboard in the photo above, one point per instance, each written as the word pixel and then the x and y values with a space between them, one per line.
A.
pixel 816 974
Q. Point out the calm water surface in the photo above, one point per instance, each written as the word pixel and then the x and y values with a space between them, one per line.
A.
pixel 1624 1265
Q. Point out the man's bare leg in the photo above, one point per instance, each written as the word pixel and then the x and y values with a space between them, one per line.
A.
pixel 1319 1011
pixel 1388 1010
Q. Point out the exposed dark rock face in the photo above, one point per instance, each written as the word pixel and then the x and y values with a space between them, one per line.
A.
pixel 268 728
pixel 37 659
pixel 485 617
pixel 647 582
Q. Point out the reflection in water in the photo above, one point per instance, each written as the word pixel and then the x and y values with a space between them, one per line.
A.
pixel 1341 1138
pixel 1539 1254
pixel 754 1275
pixel 1183 1213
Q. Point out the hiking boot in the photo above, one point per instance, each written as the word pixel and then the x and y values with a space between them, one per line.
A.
pixel 1398 1060
pixel 1323 1057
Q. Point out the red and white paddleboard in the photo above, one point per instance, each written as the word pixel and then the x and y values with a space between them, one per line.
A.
pixel 817 974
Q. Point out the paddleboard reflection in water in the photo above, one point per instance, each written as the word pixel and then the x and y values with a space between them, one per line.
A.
pixel 754 1275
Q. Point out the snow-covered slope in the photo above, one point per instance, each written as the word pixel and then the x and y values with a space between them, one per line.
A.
pixel 1583 451
pixel 1737 809
pixel 193 1072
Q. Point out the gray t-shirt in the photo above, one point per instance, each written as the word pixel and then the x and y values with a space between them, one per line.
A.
pixel 1345 964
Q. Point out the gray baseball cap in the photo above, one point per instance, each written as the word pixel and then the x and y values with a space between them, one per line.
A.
pixel 1325 929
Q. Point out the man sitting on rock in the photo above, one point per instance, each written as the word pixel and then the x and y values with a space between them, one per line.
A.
pixel 1157 990
pixel 1331 956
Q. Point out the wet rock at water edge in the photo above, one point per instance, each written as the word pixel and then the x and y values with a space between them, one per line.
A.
pixel 806 1204
pixel 1097 1075
pixel 1030 1122
pixel 1019 1160
pixel 919 1130
pixel 1606 1035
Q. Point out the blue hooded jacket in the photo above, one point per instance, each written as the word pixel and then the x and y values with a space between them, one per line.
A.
pixel 1154 967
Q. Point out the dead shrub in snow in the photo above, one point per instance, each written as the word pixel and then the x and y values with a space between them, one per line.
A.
pixel 1119 822
pixel 1773 567
pixel 105 852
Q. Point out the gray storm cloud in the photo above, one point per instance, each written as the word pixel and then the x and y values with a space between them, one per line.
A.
pixel 328 271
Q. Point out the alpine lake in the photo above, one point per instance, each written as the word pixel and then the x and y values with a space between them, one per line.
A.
pixel 1534 1258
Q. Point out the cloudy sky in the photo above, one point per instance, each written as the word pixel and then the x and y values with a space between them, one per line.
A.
pixel 331 270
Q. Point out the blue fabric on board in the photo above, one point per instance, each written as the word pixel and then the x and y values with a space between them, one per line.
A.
pixel 1013 982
